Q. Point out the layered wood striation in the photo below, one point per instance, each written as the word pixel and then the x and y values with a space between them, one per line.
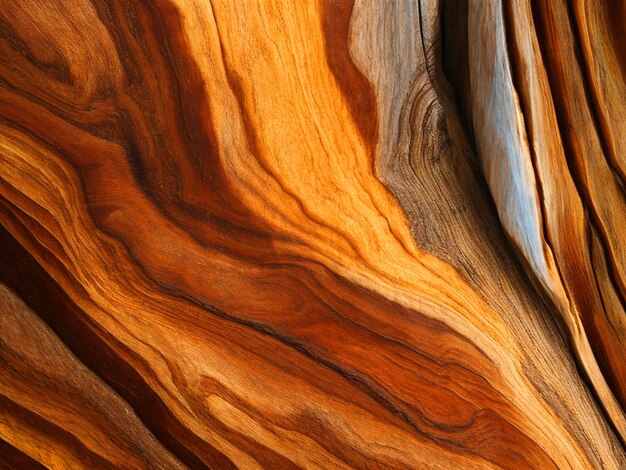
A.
pixel 256 234
pixel 547 137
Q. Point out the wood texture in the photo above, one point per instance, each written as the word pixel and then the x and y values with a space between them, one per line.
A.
pixel 314 234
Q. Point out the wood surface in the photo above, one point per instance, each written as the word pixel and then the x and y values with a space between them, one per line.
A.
pixel 312 234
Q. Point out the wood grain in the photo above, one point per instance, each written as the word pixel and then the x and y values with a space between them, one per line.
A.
pixel 273 234
pixel 59 410
pixel 552 124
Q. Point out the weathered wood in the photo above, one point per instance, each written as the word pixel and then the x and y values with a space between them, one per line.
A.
pixel 273 233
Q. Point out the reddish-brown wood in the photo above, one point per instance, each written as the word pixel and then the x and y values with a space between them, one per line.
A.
pixel 317 234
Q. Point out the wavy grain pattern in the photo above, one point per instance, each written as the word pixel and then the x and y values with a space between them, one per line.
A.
pixel 311 234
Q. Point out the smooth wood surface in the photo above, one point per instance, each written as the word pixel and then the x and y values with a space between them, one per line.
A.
pixel 312 234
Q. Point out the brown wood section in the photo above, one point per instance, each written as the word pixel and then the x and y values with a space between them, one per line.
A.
pixel 312 234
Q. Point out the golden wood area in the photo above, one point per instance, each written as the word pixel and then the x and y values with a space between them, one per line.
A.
pixel 312 234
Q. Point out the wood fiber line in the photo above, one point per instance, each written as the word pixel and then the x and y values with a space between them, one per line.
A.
pixel 256 235
pixel 11 458
pixel 547 130
pixel 52 402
